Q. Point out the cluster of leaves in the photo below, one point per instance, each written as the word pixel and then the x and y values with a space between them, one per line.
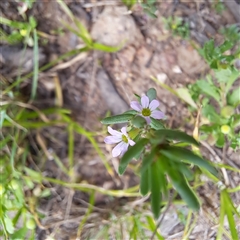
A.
pixel 18 195
pixel 162 154
pixel 177 26
pixel 148 6
pixel 219 6
pixel 217 96
pixel 231 33
pixel 20 31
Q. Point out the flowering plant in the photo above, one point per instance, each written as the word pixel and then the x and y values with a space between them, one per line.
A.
pixel 160 150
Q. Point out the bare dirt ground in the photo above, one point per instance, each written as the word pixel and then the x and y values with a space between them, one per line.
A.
pixel 93 83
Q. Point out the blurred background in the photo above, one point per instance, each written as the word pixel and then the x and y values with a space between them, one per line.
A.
pixel 65 65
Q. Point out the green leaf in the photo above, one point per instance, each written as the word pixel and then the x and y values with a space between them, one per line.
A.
pixel 162 166
pixel 185 171
pixel 145 182
pixel 156 124
pixel 35 70
pixel 234 97
pixel 105 48
pixel 133 112
pixel 83 32
pixel 155 190
pixel 209 89
pixel 131 153
pixel 235 121
pixel 33 174
pixel 225 46
pixel 176 135
pixel 147 160
pixel 8 224
pixel 228 209
pixel 129 3
pixel 220 141
pixel 152 226
pixel 178 154
pixel 184 94
pixel 138 97
pixel 122 118
pixel 19 234
pixel 138 122
pixel 152 94
pixel 184 190
pixel 209 112
pixel 208 50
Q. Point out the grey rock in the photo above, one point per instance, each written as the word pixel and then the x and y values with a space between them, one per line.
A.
pixel 15 60
pixel 114 102
pixel 114 28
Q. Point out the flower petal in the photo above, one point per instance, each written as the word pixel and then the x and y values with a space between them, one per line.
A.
pixel 136 106
pixel 118 149
pixel 114 132
pixel 131 142
pixel 154 104
pixel 148 119
pixel 157 114
pixel 124 130
pixel 145 101
pixel 112 139
pixel 124 149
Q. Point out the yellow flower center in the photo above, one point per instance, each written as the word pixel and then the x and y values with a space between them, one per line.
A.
pixel 125 139
pixel 225 129
pixel 146 112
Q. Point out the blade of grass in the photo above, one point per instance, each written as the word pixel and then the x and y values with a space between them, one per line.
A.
pixel 35 68
pixel 13 123
pixel 66 9
pixel 189 217
pixel 13 152
pixel 232 190
pixel 45 67
pixel 231 222
pixel 221 218
pixel 60 164
pixel 82 131
pixel 131 192
pixel 2 117
pixel 90 208
pixel 70 148
pixel 34 125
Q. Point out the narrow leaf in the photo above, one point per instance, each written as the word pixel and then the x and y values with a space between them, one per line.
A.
pixel 117 119
pixel 161 172
pixel 144 182
pixel 133 112
pixel 131 153
pixel 176 135
pixel 231 221
pixel 147 160
pixel 35 70
pixel 178 154
pixel 155 191
pixel 184 190
pixel 156 124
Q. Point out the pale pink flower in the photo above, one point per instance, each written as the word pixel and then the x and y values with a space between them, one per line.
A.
pixel 147 109
pixel 121 138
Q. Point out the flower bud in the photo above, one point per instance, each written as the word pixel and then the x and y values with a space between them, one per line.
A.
pixel 225 129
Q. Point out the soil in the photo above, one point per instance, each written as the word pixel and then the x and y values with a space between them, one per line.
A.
pixel 94 82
